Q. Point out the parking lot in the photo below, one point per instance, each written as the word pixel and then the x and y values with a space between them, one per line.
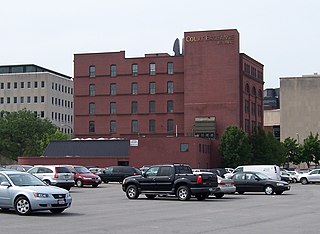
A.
pixel 106 209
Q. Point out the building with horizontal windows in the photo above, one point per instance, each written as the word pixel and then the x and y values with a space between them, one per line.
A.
pixel 197 93
pixel 47 93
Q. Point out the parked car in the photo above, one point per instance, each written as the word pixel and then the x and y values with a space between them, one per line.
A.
pixel 272 171
pixel 258 182
pixel 118 173
pixel 285 176
pixel 19 167
pixel 294 175
pixel 59 176
pixel 26 193
pixel 225 186
pixel 310 177
pixel 171 179
pixel 82 176
pixel 95 170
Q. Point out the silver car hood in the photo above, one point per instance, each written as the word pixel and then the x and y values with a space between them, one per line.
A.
pixel 41 189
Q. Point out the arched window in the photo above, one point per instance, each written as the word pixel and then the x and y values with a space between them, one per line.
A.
pixel 260 94
pixel 254 92
pixel 247 88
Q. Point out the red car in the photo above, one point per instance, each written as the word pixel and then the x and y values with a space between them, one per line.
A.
pixel 82 176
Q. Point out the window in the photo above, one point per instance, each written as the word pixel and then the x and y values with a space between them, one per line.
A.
pixel 152 125
pixel 134 126
pixel 15 99
pixel 246 106
pixel 8 100
pixel 29 85
pixel 247 125
pixel 92 71
pixel 2 100
pixel 42 84
pixel 113 70
pixel 184 147
pixel 113 126
pixel 91 126
pixel 15 85
pixel 134 107
pixel 134 69
pixel 152 69
pixel 170 125
pixel 152 87
pixel 42 114
pixel 22 85
pixel 170 68
pixel 91 107
pixel 113 108
pixel 28 99
pixel 42 99
pixel 170 106
pixel 254 92
pixel 92 90
pixel 253 108
pixel 35 99
pixel 21 99
pixel 170 87
pixel 2 85
pixel 36 84
pixel 134 88
pixel 113 89
pixel 152 106
pixel 247 88
pixel 8 85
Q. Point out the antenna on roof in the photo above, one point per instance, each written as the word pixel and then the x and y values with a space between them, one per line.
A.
pixel 176 47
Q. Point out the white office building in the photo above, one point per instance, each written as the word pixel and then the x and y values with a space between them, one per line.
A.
pixel 47 93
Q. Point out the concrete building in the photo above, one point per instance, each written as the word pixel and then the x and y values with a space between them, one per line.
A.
pixel 47 93
pixel 300 106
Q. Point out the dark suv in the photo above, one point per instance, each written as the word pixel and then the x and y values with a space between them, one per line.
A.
pixel 118 173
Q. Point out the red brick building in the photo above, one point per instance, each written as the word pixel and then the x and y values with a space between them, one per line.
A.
pixel 197 94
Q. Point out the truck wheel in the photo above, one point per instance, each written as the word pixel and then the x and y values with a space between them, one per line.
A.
pixel 219 195
pixel 132 192
pixel 183 193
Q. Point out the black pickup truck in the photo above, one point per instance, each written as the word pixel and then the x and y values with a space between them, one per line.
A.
pixel 170 179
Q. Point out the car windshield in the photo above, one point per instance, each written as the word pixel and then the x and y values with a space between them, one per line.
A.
pixel 82 170
pixel 25 180
pixel 262 176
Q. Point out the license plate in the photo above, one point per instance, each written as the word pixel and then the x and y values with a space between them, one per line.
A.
pixel 61 202
pixel 228 185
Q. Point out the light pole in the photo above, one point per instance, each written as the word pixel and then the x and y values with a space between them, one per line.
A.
pixel 69 127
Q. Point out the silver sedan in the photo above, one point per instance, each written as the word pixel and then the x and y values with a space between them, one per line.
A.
pixel 25 193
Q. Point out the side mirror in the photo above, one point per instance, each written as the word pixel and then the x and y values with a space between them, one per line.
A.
pixel 5 183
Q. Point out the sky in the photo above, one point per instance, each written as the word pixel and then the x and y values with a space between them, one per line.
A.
pixel 283 35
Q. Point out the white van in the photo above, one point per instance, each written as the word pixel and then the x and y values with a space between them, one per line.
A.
pixel 272 171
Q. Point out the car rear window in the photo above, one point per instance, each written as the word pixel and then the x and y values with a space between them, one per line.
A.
pixel 62 170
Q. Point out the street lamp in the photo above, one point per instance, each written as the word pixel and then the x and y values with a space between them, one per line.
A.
pixel 69 127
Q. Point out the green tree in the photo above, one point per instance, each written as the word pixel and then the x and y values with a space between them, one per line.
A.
pixel 22 134
pixel 235 148
pixel 291 150
pixel 266 148
pixel 311 149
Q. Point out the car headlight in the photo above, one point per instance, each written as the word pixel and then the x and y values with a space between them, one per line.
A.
pixel 280 184
pixel 41 195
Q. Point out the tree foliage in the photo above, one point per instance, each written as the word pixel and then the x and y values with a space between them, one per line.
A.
pixel 235 147
pixel 22 133
pixel 291 150
pixel 310 151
